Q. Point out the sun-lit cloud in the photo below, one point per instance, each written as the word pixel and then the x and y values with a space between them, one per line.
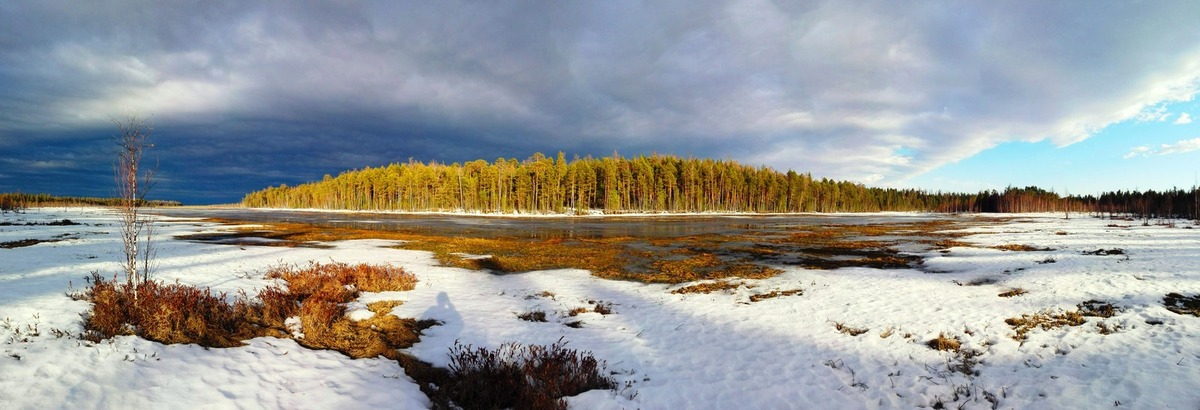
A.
pixel 1184 118
pixel 1180 147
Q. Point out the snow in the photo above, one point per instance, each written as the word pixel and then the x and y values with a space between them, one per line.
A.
pixel 669 351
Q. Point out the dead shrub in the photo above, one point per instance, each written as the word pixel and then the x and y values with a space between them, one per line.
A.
pixel 316 294
pixel 166 313
pixel 1045 320
pixel 521 377
pixel 1184 305
pixel 577 311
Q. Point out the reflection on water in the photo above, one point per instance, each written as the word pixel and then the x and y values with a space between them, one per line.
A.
pixel 550 227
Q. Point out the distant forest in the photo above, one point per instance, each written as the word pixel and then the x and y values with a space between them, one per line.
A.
pixel 19 201
pixel 662 183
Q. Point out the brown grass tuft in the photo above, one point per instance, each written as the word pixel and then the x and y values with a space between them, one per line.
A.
pixel 708 287
pixel 943 343
pixel 1013 292
pixel 602 307
pixel 1045 320
pixel 1098 308
pixel 850 330
pixel 533 316
pixel 775 294
pixel 1021 248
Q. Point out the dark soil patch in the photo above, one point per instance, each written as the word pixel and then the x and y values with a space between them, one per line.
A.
pixel 1105 252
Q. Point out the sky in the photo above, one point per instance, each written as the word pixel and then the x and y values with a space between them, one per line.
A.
pixel 1076 96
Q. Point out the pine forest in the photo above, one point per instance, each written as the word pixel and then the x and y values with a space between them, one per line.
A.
pixel 667 184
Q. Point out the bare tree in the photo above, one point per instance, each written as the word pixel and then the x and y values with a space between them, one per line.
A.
pixel 133 182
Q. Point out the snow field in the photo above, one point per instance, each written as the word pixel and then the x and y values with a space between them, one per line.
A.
pixel 668 351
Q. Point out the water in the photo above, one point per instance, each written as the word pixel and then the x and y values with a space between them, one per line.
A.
pixel 551 227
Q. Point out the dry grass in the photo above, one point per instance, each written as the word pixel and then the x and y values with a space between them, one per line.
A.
pixel 850 330
pixel 1096 308
pixel 1044 320
pixel 1184 305
pixel 708 287
pixel 533 316
pixel 1013 292
pixel 775 293
pixel 602 307
pixel 1021 248
pixel 654 260
pixel 363 277
pixel 576 311
pixel 942 343
pixel 886 333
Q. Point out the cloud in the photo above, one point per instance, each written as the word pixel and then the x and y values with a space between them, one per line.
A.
pixel 1142 151
pixel 1184 118
pixel 864 91
pixel 1180 147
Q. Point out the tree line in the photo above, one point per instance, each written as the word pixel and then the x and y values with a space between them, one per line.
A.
pixel 16 202
pixel 663 183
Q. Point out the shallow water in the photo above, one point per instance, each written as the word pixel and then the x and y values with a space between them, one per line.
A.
pixel 552 227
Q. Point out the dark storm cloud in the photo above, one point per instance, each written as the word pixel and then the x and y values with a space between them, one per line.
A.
pixel 245 94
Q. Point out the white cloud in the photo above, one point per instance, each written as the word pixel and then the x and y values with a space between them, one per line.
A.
pixel 1180 147
pixel 1184 118
pixel 1138 152
pixel 1166 149
pixel 1155 114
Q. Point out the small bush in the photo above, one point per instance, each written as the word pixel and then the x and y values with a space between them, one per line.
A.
pixel 167 314
pixel 522 377
pixel 316 294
